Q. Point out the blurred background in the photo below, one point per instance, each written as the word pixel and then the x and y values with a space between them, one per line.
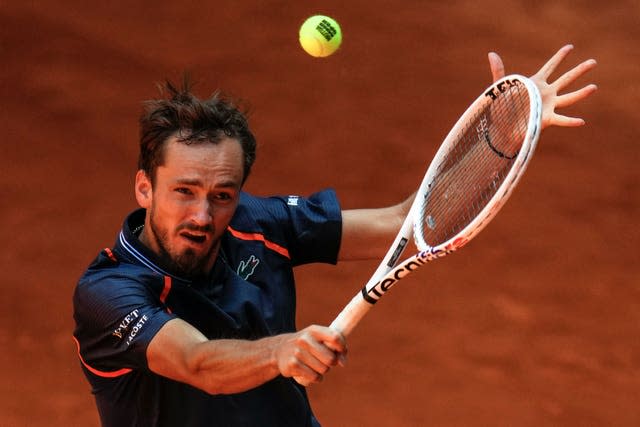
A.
pixel 534 323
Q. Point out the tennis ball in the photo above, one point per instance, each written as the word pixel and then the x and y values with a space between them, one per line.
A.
pixel 320 36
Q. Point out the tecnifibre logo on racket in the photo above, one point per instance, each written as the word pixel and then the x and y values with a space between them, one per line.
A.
pixel 373 294
pixel 501 88
pixel 381 287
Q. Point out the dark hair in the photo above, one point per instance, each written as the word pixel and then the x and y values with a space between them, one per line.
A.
pixel 192 120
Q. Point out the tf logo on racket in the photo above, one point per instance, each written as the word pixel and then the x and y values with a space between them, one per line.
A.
pixel 502 87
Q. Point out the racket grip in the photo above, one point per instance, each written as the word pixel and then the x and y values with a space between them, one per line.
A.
pixel 351 315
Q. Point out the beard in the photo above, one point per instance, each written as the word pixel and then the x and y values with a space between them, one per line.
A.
pixel 187 263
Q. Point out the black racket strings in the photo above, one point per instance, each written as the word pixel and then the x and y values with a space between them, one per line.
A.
pixel 475 166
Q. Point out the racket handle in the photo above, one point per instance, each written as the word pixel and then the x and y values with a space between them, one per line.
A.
pixel 351 315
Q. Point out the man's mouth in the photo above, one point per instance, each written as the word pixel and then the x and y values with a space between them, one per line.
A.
pixel 195 238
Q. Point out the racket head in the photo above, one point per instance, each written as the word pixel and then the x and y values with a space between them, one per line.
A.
pixel 477 166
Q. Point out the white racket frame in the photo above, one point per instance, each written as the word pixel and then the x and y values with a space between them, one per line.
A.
pixel 389 272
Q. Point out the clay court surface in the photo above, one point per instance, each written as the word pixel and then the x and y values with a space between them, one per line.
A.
pixel 535 323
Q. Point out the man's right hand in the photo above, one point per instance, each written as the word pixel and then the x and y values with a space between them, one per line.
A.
pixel 308 355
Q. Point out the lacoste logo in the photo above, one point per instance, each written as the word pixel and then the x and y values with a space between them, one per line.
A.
pixel 246 268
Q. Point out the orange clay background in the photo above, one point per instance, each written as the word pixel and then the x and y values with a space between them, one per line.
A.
pixel 536 322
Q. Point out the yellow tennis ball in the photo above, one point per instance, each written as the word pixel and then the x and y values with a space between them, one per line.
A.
pixel 320 36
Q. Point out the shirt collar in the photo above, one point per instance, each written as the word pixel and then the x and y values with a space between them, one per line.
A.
pixel 129 244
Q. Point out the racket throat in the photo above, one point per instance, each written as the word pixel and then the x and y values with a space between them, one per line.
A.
pixel 402 244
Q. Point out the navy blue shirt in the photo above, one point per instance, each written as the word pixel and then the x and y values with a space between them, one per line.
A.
pixel 127 295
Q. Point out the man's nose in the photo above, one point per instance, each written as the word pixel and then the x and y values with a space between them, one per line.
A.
pixel 203 214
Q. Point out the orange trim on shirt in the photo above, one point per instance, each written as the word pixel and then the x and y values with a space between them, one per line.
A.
pixel 260 238
pixel 110 254
pixel 165 291
pixel 103 374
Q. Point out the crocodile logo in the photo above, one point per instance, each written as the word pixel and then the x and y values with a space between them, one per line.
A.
pixel 246 268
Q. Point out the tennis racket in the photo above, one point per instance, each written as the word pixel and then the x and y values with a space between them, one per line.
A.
pixel 470 178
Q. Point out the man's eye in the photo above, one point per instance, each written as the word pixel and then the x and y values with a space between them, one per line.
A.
pixel 183 190
pixel 223 196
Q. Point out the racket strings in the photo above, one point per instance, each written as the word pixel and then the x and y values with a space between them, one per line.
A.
pixel 475 167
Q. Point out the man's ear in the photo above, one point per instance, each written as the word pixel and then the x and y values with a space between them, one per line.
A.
pixel 144 191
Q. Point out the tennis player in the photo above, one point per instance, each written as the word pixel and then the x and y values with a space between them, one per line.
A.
pixel 189 318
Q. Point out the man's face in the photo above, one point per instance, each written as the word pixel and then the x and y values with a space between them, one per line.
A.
pixel 195 195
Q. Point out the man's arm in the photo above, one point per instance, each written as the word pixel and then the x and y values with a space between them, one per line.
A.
pixel 368 233
pixel 181 352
